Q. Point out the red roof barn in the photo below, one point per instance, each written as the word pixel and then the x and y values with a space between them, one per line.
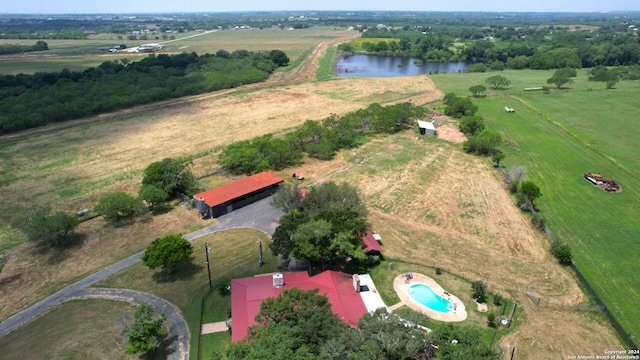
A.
pixel 248 293
pixel 226 198
pixel 370 244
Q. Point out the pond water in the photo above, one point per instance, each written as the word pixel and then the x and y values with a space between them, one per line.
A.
pixel 389 66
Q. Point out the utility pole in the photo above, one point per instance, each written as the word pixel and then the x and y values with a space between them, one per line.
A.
pixel 207 249
pixel 261 258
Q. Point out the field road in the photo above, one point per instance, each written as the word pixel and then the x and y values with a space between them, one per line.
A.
pixel 260 215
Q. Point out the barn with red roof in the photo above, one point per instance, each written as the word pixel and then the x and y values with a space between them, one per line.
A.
pixel 248 293
pixel 224 199
pixel 370 244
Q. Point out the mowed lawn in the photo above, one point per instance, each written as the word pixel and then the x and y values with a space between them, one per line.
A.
pixel 558 137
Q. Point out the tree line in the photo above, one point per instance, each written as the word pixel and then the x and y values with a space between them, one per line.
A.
pixel 6 49
pixel 500 47
pixel 320 140
pixel 28 101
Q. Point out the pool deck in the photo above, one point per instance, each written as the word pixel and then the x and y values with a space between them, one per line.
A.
pixel 402 288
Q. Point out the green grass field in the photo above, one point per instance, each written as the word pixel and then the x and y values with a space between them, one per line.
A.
pixel 558 137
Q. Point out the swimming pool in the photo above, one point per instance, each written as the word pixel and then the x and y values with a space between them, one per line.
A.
pixel 427 297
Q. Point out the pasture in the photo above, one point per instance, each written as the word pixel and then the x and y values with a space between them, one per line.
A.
pixel 559 136
pixel 78 55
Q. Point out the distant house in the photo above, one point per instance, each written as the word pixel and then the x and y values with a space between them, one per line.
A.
pixel 370 244
pixel 426 127
pixel 224 199
pixel 350 296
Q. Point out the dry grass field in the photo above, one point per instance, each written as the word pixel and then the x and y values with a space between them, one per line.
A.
pixel 433 204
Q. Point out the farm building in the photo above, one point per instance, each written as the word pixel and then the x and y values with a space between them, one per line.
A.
pixel 350 296
pixel 426 127
pixel 370 244
pixel 224 199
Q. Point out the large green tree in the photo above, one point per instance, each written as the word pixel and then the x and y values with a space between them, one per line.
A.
pixel 326 227
pixel 459 107
pixel 52 229
pixel 562 76
pixel 167 252
pixel 146 332
pixel 118 206
pixel 482 143
pixel 171 175
pixel 498 82
pixel 477 90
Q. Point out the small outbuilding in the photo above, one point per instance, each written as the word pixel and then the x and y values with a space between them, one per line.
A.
pixel 370 244
pixel 426 128
pixel 224 199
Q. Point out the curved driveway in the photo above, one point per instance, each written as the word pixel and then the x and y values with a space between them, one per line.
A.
pixel 260 215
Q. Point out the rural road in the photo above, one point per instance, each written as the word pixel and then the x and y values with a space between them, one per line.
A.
pixel 260 215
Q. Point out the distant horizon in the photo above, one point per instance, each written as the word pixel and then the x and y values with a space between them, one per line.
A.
pixel 326 11
pixel 122 7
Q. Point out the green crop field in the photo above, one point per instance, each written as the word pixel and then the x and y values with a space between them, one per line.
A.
pixel 558 137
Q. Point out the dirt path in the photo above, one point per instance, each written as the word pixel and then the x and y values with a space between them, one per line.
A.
pixel 303 72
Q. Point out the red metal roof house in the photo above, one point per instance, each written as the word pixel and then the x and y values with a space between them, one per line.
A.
pixel 248 293
pixel 226 198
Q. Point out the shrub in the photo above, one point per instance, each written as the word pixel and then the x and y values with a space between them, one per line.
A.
pixel 491 320
pixel 562 252
pixel 497 300
pixel 438 271
pixel 224 288
pixel 479 291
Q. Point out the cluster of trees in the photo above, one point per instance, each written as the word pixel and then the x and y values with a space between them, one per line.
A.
pixel 299 324
pixel 161 181
pixel 458 106
pixel 605 75
pixel 320 140
pixel 28 101
pixel 325 226
pixel 6 49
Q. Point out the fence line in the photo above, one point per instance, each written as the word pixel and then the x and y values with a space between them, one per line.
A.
pixel 579 306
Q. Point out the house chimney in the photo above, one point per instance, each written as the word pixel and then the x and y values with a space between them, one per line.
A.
pixel 278 280
pixel 356 282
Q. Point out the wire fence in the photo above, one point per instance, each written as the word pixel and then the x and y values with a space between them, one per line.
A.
pixel 558 304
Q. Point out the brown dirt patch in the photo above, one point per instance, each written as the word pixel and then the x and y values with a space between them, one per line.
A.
pixel 450 133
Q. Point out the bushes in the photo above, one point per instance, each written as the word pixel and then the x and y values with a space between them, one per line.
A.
pixel 562 252
pixel 458 107
pixel 479 291
pixel 320 140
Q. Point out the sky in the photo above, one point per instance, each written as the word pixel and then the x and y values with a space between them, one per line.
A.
pixel 155 6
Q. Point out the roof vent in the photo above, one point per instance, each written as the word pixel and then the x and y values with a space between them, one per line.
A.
pixel 278 280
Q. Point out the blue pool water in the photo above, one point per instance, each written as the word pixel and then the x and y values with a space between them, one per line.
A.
pixel 427 297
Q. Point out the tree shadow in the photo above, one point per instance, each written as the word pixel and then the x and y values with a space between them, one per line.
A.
pixel 162 352
pixel 160 209
pixel 183 271
pixel 9 279
pixel 59 250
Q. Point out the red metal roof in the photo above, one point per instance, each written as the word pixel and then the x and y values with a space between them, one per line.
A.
pixel 248 293
pixel 370 244
pixel 224 193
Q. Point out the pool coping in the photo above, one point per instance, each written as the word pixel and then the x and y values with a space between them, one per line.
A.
pixel 401 286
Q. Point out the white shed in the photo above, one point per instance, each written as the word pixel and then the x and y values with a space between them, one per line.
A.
pixel 426 127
